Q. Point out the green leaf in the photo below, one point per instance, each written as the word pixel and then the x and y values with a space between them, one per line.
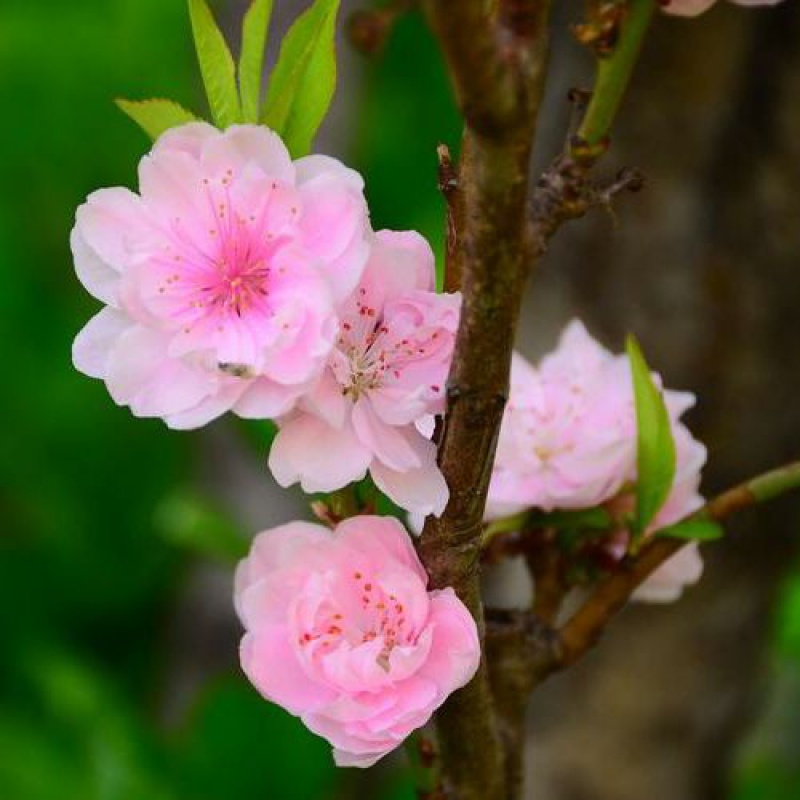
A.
pixel 156 116
pixel 697 529
pixel 189 521
pixel 301 85
pixel 251 59
pixel 216 65
pixel 655 448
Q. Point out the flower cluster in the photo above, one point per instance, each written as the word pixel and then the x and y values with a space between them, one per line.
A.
pixel 342 632
pixel 240 280
pixel 568 441
pixel 691 8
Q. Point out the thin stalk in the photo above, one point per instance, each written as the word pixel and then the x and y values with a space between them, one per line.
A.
pixel 614 74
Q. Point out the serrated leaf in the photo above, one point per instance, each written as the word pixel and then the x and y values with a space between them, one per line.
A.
pixel 156 116
pixel 216 65
pixel 698 529
pixel 655 447
pixel 302 84
pixel 251 59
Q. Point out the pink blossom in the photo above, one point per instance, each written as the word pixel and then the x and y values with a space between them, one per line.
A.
pixel 692 8
pixel 384 379
pixel 568 441
pixel 568 438
pixel 220 276
pixel 341 632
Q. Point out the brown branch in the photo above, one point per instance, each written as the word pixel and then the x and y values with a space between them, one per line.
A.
pixel 498 76
pixel 585 628
pixel 546 567
pixel 488 67
pixel 515 642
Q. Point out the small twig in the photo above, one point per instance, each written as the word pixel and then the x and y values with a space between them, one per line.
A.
pixel 565 191
pixel 546 567
pixel 614 74
pixel 448 186
pixel 586 626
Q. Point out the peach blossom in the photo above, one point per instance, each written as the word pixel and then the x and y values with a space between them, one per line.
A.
pixel 342 632
pixel 220 277
pixel 384 381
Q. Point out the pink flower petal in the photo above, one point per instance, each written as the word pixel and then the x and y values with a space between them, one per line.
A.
pixel 98 278
pixel 382 539
pixel 455 651
pixel 242 145
pixel 320 457
pixel 113 225
pixel 139 374
pixel 394 447
pixel 688 8
pixel 209 409
pixel 275 549
pixel 265 399
pixel 334 220
pixel 92 345
pixel 270 662
pixel 422 490
pixel 189 139
pixel 667 583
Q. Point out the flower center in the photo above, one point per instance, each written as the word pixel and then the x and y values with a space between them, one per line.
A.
pixel 220 270
pixel 377 615
pixel 377 350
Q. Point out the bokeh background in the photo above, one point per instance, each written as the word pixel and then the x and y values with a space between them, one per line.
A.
pixel 118 672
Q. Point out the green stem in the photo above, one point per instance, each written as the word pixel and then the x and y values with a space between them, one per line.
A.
pixel 774 483
pixel 614 73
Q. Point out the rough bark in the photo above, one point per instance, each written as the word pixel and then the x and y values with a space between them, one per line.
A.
pixel 496 64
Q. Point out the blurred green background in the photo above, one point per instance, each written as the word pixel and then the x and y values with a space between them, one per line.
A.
pixel 89 577
pixel 98 537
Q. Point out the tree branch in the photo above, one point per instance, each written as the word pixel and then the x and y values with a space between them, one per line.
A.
pixel 498 72
pixel 514 640
pixel 485 83
pixel 585 628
